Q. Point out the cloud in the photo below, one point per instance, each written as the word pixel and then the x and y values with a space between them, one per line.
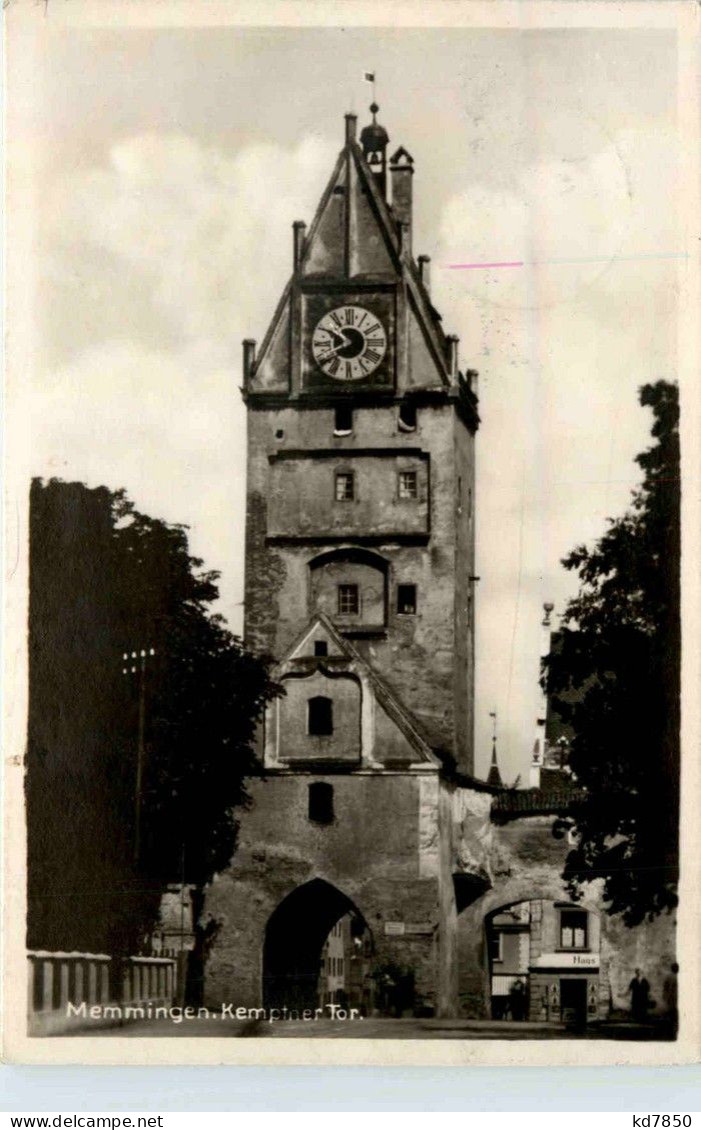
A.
pixel 155 265
pixel 562 349
pixel 198 235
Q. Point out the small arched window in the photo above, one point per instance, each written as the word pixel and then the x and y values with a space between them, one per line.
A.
pixel 320 716
pixel 321 802
pixel 407 416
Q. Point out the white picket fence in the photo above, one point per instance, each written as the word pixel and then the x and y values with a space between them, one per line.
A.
pixel 65 987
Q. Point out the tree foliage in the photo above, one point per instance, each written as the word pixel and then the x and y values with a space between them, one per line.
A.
pixel 615 679
pixel 105 581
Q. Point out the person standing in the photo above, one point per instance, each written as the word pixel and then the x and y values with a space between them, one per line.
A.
pixel 639 990
pixel 517 1000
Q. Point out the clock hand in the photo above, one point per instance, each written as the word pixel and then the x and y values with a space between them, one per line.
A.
pixel 342 345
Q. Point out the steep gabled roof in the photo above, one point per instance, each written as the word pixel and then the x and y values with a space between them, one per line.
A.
pixel 393 708
pixel 371 250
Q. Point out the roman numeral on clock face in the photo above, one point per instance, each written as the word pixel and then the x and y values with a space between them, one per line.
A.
pixel 348 343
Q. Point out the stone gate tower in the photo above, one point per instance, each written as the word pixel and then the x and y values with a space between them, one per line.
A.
pixel 359 582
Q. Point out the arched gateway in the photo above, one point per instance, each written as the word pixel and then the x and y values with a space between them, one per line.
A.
pixel 295 936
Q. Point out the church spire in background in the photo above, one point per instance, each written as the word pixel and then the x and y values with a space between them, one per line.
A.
pixel 494 777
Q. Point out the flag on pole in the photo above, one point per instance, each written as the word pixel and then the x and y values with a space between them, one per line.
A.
pixel 369 76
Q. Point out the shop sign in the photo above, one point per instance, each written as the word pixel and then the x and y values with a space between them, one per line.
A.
pixel 566 961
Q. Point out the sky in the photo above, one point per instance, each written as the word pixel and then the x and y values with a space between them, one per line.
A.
pixel 164 168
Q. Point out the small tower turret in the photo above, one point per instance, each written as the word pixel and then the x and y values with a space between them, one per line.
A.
pixel 374 140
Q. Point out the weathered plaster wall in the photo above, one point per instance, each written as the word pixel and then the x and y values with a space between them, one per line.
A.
pixel 343 744
pixel 526 862
pixel 423 657
pixel 382 852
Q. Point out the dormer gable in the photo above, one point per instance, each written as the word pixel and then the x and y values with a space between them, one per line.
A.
pixel 336 711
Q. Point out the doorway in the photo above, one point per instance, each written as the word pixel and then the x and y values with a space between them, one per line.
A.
pixel 573 1000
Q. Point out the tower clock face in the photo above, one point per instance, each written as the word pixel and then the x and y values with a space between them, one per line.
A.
pixel 349 343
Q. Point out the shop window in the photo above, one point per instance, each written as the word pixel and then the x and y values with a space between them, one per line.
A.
pixel 320 716
pixel 345 486
pixel 321 806
pixel 408 486
pixel 406 600
pixel 348 600
pixel 343 421
pixel 407 417
pixel 321 647
pixel 573 929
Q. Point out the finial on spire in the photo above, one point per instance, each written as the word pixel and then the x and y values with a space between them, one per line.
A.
pixel 374 110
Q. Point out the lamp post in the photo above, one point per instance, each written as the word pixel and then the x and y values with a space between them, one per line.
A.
pixel 135 664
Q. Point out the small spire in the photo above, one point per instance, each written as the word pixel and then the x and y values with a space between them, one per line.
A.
pixel 494 777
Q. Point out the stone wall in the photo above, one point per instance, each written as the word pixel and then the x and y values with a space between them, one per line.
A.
pixel 526 863
pixel 382 853
pixel 426 658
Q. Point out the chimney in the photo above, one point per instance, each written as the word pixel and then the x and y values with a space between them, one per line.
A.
pixel 351 122
pixel 425 272
pixel 453 340
pixel 404 239
pixel 299 230
pixel 401 171
pixel 249 358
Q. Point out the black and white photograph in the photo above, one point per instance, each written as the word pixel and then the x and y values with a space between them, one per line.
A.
pixel 347 376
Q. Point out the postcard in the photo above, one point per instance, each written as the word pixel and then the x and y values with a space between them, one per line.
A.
pixel 351 511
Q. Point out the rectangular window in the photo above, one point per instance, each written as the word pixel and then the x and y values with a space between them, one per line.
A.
pixel 408 487
pixel 321 647
pixel 495 946
pixel 345 489
pixel 406 600
pixel 573 929
pixel 343 421
pixel 348 602
pixel 321 808
pixel 320 716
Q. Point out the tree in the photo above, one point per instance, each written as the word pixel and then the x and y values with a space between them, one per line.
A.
pixel 105 581
pixel 615 679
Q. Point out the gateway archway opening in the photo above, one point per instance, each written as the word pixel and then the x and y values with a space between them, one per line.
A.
pixel 317 952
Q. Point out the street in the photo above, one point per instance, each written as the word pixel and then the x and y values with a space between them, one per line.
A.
pixel 379 1028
